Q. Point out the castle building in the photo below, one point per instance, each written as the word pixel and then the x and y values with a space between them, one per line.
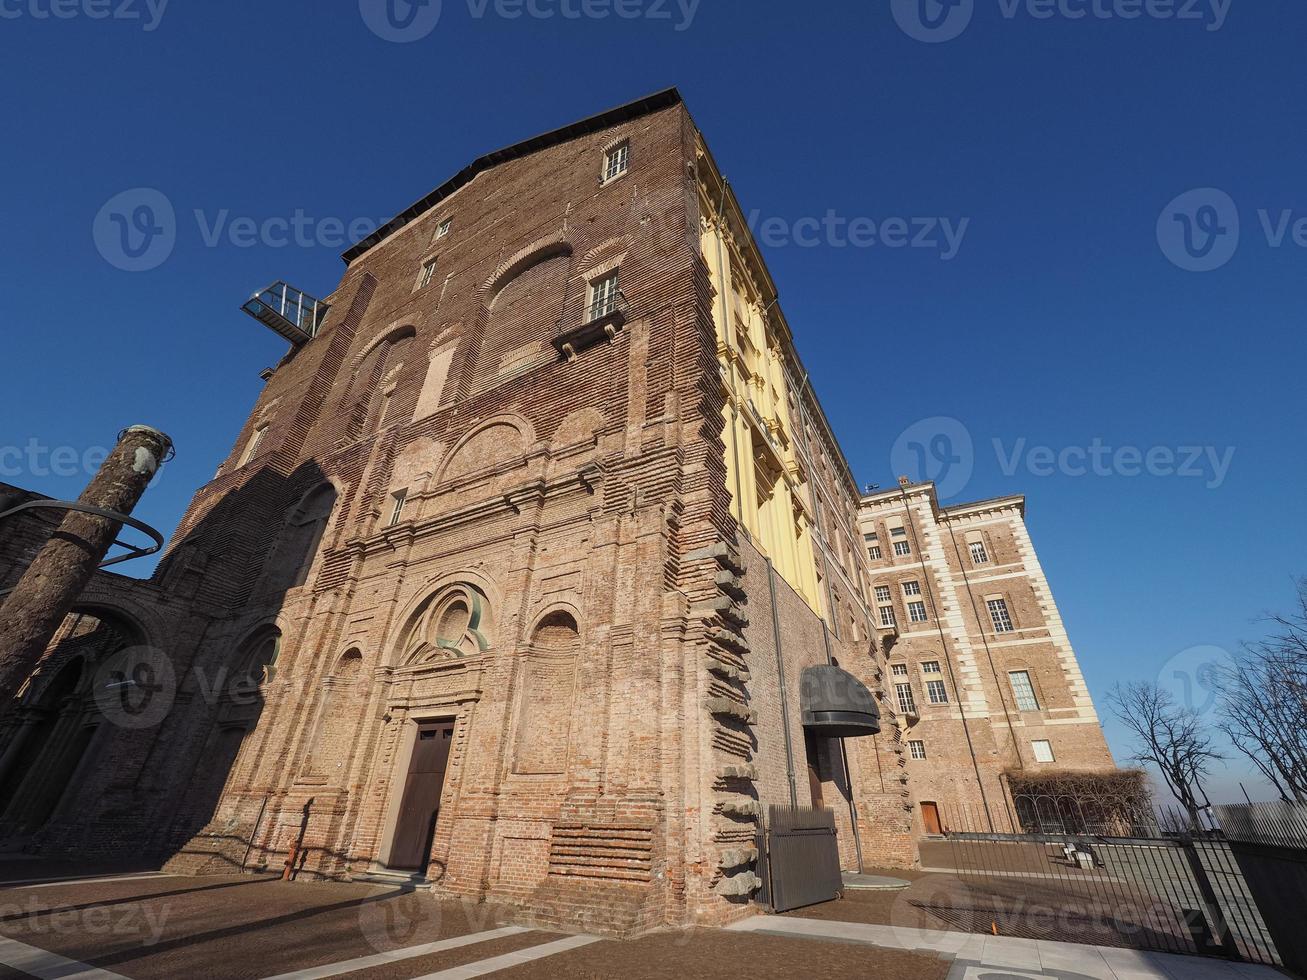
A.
pixel 536 574
pixel 981 668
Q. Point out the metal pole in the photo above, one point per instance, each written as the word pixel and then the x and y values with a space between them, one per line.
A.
pixel 51 585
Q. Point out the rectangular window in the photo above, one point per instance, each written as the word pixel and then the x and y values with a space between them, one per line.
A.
pixel 898 532
pixel 998 614
pixel 936 692
pixel 616 161
pixel 917 612
pixel 917 748
pixel 907 704
pixel 912 588
pixel 443 228
pixel 428 273
pixel 899 670
pixel 398 499
pixel 882 593
pixel 873 551
pixel 887 616
pixel 902 548
pixel 603 296
pixel 1043 750
pixel 1023 690
pixel 930 667
pixel 978 553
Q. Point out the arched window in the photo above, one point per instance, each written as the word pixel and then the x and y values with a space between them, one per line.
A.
pixel 544 729
pixel 300 540
pixel 337 725
pixel 374 384
pixel 257 663
pixel 452 624
pixel 522 318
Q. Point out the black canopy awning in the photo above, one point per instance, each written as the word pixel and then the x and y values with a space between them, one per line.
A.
pixel 836 704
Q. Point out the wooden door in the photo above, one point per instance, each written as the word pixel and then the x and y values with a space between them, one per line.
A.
pixel 420 804
pixel 930 817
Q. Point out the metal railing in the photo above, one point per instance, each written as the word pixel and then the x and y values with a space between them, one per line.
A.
pixel 1107 872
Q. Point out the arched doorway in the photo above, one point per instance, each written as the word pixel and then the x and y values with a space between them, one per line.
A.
pixel 59 719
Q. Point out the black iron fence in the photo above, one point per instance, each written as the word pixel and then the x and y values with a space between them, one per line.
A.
pixel 1104 872
pixel 1269 844
pixel 799 857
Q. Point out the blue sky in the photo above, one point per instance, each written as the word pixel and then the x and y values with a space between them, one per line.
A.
pixel 1054 319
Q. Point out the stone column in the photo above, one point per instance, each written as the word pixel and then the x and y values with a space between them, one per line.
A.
pixel 50 587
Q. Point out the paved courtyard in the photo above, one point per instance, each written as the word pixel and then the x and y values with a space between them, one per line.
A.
pixel 146 925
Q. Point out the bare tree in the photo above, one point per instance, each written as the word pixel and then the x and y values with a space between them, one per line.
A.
pixel 1169 737
pixel 1263 706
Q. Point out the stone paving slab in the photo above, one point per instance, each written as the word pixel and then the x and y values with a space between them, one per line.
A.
pixel 975 956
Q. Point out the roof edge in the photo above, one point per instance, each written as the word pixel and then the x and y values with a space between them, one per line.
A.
pixel 604 120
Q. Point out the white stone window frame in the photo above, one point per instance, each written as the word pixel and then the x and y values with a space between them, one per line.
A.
pixel 917 612
pixel 936 692
pixel 1000 615
pixel 602 293
pixel 445 226
pixel 912 588
pixel 902 549
pixel 398 499
pixel 427 272
pixel 1023 695
pixel 616 161
pixel 916 748
pixel 907 702
pixel 979 553
pixel 882 593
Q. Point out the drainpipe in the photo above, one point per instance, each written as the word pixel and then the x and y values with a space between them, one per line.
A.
pixel 844 759
pixel 780 673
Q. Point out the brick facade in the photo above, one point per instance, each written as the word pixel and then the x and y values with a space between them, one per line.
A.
pixel 1007 675
pixel 481 509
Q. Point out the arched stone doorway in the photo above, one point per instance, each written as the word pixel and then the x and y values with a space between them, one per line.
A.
pixel 59 720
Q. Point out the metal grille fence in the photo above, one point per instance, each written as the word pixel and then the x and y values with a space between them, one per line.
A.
pixel 1102 872
pixel 803 861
